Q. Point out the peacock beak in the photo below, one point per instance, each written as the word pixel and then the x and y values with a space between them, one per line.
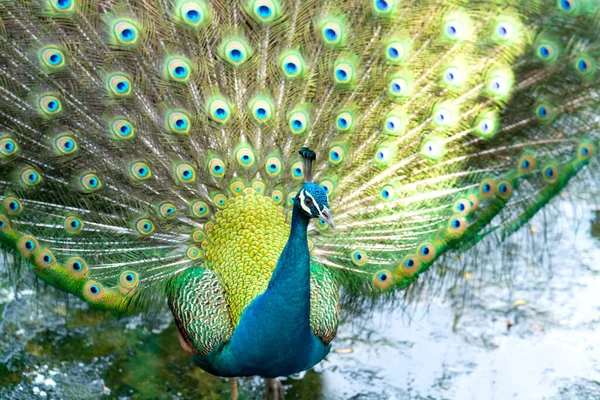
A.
pixel 326 216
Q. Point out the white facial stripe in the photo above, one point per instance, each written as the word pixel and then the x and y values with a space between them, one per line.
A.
pixel 302 197
pixel 314 202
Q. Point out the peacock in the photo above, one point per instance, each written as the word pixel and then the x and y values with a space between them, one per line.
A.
pixel 176 151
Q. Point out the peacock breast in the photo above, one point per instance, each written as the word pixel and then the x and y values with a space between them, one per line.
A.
pixel 243 246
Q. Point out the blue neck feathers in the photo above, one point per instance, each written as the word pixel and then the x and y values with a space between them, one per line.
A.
pixel 273 337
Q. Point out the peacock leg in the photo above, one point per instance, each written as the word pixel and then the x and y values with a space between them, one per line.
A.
pixel 234 388
pixel 274 390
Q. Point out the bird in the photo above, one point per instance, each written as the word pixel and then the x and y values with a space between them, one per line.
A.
pixel 257 164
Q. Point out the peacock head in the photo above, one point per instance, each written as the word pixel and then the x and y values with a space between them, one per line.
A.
pixel 312 198
pixel 313 201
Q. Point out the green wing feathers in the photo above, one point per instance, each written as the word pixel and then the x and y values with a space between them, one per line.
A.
pixel 129 131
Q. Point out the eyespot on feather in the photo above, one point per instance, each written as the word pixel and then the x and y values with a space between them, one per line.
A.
pixel 167 210
pixel 245 157
pixel 27 245
pixel 550 173
pixel 93 291
pixel 297 170
pixel 73 225
pixel 410 265
pixel 49 105
pixel 144 226
pixel 122 129
pixel 200 209
pixel 193 253
pixel 527 164
pixel 76 267
pixel 185 173
pixel 487 188
pixel 198 235
pixel 90 182
pixel 12 206
pixel 65 144
pixel 178 122
pixel 45 259
pixel 139 171
pixel 457 225
pixel 382 279
pixel 128 282
pixel 8 147
pixel 505 189
pixel 426 252
pixel 359 257
pixel 30 177
pixel 4 223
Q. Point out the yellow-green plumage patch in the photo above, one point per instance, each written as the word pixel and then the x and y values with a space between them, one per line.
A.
pixel 244 246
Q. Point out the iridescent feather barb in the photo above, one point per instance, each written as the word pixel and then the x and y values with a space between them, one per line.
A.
pixel 130 130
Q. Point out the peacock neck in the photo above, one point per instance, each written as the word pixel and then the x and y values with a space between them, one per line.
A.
pixel 291 276
pixel 293 266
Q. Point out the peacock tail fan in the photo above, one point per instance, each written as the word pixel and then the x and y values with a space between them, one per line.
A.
pixel 142 140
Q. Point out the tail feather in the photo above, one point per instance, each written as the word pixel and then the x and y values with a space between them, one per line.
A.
pixel 127 128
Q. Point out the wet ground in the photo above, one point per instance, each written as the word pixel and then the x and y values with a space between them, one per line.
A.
pixel 534 334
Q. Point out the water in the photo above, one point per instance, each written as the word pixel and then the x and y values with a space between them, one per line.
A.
pixel 444 348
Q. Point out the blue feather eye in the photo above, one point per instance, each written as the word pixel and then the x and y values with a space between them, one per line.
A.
pixel 178 69
pixel 505 189
pixel 8 147
pixel 191 13
pixel 167 210
pixel 139 171
pixel 62 5
pixel 337 155
pixel 527 164
pixel 245 157
pixel 297 170
pixel 73 225
pixel 122 129
pixel 344 121
pixel 93 291
pixel 388 193
pixel 51 58
pixel 128 282
pixel 299 122
pixel 64 144
pixel 90 182
pixel 331 31
pixel 49 105
pixel 45 259
pixel 185 173
pixel 457 225
pixel 487 188
pixel 27 245
pixel 178 122
pixel 262 108
pixel 586 150
pixel 292 64
pixel 199 209
pixel 585 65
pixel 359 257
pixel 410 265
pixel 30 177
pixel 382 279
pixel 265 11
pixel 235 51
pixel 125 32
pixel 76 267
pixel 219 110
pixel 273 166
pixel 550 173
pixel 216 167
pixel 118 85
pixel 12 206
pixel 144 226
pixel 426 252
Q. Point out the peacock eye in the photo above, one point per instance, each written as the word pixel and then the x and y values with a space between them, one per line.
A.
pixel 308 202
